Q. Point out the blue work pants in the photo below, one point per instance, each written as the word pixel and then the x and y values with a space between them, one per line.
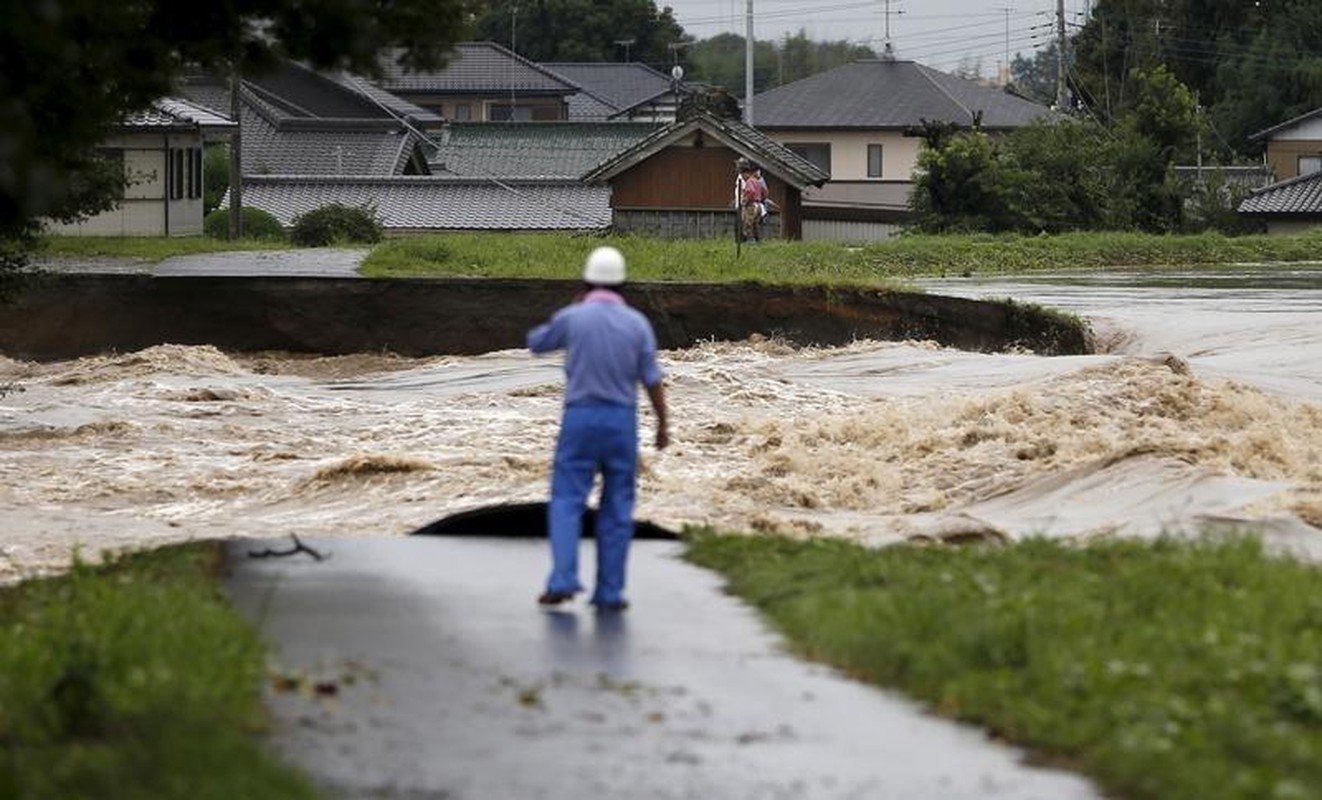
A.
pixel 594 437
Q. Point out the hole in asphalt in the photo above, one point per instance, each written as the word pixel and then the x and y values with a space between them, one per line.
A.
pixel 522 520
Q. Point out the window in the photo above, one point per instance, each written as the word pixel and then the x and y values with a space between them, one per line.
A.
pixel 175 160
pixel 874 161
pixel 195 174
pixel 1309 164
pixel 501 113
pixel 463 112
pixel 818 153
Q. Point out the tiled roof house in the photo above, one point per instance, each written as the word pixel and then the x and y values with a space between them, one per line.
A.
pixel 678 182
pixel 628 91
pixel 160 150
pixel 1294 155
pixel 1291 206
pixel 481 82
pixel 858 121
pixel 1294 147
pixel 297 121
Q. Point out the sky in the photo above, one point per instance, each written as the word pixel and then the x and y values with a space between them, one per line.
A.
pixel 945 34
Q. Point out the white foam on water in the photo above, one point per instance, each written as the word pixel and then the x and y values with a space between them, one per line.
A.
pixel 877 441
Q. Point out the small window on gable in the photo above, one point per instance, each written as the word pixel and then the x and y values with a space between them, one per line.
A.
pixel 1309 164
pixel 874 161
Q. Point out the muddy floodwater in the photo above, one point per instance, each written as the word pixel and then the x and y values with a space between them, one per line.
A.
pixel 1203 408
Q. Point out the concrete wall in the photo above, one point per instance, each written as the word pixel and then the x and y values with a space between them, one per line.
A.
pixel 64 316
pixel 685 224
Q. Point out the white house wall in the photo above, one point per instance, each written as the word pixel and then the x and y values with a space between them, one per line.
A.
pixel 1307 131
pixel 143 210
pixel 849 152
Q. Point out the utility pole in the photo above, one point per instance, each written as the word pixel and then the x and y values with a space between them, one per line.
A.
pixel 888 49
pixel 1005 76
pixel 236 150
pixel 1062 93
pixel 748 67
pixel 514 29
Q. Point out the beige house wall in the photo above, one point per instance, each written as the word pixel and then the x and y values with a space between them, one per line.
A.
pixel 849 152
pixel 1283 155
pixel 143 211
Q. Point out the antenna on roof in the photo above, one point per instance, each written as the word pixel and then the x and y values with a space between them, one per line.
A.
pixel 888 49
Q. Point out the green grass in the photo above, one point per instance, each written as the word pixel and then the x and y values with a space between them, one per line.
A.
pixel 147 248
pixel 1167 670
pixel 561 256
pixel 134 680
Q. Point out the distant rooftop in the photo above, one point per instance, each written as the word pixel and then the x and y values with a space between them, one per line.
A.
pixel 532 149
pixel 474 67
pixel 882 94
pixel 622 86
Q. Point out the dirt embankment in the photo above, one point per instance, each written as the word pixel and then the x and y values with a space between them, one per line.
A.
pixel 68 316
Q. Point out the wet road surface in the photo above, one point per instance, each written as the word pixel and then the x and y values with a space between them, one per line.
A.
pixel 451 683
pixel 314 262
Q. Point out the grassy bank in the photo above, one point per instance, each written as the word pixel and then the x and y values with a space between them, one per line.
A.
pixel 561 255
pixel 1163 670
pixel 147 248
pixel 134 680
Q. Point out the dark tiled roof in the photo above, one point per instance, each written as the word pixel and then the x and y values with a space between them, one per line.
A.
pixel 175 113
pixel 274 145
pixel 1298 196
pixel 532 149
pixel 621 85
pixel 1267 133
pixel 881 94
pixel 435 203
pixel 396 106
pixel 474 67
pixel 302 92
pixel 774 157
pixel 587 107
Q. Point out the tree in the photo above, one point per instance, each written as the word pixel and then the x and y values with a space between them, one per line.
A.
pixel 1035 77
pixel 719 60
pixel 70 69
pixel 581 30
pixel 1252 64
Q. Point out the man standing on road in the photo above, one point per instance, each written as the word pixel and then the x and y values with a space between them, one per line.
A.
pixel 610 349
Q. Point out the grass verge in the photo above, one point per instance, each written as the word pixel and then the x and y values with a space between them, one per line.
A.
pixel 133 680
pixel 561 256
pixel 147 248
pixel 1166 670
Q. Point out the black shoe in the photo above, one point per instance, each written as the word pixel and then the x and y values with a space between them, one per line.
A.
pixel 618 605
pixel 554 598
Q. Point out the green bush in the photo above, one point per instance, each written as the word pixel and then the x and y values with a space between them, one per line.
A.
pixel 257 224
pixel 335 223
pixel 215 176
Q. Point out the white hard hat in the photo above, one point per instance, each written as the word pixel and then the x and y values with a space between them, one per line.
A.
pixel 604 267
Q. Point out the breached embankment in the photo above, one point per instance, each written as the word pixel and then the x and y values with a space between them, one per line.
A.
pixel 71 315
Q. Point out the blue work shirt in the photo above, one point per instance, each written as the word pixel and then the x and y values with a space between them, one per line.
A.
pixel 610 349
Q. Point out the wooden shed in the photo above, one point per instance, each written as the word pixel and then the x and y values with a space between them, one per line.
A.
pixel 678 182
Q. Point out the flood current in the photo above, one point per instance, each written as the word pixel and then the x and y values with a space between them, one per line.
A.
pixel 1203 409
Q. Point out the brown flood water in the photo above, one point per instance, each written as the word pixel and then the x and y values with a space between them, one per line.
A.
pixel 876 441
